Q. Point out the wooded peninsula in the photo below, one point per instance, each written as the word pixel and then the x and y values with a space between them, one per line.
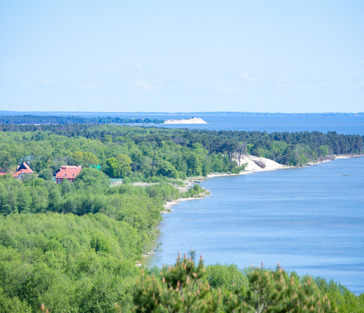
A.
pixel 45 120
pixel 72 245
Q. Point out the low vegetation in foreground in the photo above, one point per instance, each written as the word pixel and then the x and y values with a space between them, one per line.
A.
pixel 189 287
pixel 73 247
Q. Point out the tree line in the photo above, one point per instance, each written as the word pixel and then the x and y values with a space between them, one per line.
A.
pixel 43 120
pixel 293 148
pixel 124 156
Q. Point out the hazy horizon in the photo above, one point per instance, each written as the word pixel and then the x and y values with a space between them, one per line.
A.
pixel 180 112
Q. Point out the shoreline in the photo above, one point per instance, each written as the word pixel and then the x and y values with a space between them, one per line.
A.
pixel 252 167
pixel 169 204
pixel 190 182
pixel 335 157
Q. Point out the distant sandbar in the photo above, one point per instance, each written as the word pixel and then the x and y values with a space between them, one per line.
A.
pixel 193 120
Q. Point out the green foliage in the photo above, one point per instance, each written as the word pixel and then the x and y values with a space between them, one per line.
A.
pixel 74 263
pixel 70 263
pixel 194 191
pixel 84 158
pixel 12 304
pixel 225 277
pixel 119 166
pixel 46 174
pixel 183 287
pixel 91 177
pixel 36 119
pixel 66 186
pixel 277 291
pixel 344 300
pixel 180 289
pixel 7 160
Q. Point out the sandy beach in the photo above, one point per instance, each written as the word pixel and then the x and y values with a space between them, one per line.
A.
pixel 169 204
pixel 336 157
pixel 254 164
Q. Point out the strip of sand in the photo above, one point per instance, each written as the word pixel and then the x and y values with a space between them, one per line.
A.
pixel 254 164
pixel 337 157
pixel 169 204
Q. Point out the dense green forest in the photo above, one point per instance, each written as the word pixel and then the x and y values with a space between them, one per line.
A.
pixel 36 119
pixel 174 153
pixel 128 152
pixel 75 246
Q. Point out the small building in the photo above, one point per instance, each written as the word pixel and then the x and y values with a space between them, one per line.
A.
pixel 22 169
pixel 67 172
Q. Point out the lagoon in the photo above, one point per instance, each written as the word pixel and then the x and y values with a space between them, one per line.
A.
pixel 310 220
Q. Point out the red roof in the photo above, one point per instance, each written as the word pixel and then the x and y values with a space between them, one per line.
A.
pixel 68 172
pixel 23 171
pixel 23 168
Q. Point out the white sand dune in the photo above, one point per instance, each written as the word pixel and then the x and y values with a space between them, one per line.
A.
pixel 256 164
pixel 253 164
pixel 193 120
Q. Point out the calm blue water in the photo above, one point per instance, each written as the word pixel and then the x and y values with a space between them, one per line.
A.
pixel 311 220
pixel 346 124
pixel 342 124
pixel 276 123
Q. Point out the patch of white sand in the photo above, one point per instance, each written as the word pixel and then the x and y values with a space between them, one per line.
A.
pixel 255 164
pixel 193 120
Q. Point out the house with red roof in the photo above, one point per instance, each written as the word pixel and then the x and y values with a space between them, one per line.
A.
pixel 22 169
pixel 67 172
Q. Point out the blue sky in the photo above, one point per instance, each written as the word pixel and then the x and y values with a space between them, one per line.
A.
pixel 182 56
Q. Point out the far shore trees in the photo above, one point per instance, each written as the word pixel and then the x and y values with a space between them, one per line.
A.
pixel 149 154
